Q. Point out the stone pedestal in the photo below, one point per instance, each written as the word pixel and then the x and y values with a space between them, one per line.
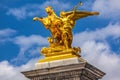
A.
pixel 67 69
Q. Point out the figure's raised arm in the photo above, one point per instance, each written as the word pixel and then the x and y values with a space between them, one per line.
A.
pixel 44 20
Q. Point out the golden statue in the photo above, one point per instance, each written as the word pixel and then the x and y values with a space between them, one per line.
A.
pixel 61 33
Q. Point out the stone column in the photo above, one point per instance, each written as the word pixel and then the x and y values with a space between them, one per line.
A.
pixel 67 69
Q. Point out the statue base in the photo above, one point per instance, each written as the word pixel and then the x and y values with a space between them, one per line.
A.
pixel 62 62
pixel 52 54
pixel 66 69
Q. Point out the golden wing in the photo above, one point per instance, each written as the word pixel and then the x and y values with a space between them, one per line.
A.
pixel 82 14
pixel 75 15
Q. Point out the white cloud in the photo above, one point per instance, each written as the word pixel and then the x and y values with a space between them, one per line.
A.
pixel 97 51
pixel 57 5
pixel 24 11
pixel 100 55
pixel 18 13
pixel 26 42
pixel 5 34
pixel 29 47
pixel 31 10
pixel 108 8
pixel 112 30
pixel 9 72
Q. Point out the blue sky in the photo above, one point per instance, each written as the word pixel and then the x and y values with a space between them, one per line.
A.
pixel 21 38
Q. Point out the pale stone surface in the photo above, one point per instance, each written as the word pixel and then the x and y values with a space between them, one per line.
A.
pixel 71 61
pixel 58 63
pixel 42 65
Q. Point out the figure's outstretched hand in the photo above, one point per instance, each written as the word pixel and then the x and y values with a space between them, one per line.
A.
pixel 35 18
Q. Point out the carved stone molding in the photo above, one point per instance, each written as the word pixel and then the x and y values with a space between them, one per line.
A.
pixel 81 71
